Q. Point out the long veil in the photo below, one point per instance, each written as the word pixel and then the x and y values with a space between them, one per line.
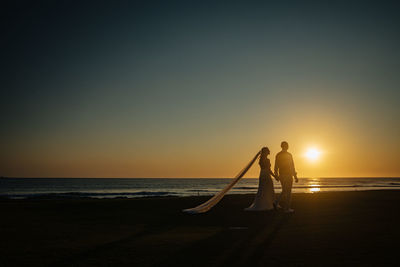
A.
pixel 206 206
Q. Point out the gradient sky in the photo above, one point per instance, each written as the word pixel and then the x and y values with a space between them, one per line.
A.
pixel 196 88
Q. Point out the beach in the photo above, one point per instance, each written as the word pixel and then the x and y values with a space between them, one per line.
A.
pixel 327 229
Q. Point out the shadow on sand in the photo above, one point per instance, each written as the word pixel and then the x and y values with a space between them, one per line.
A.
pixel 243 240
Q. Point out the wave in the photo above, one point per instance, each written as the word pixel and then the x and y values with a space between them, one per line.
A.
pixel 246 187
pixel 30 188
pixel 201 190
pixel 344 186
pixel 89 195
pixel 250 189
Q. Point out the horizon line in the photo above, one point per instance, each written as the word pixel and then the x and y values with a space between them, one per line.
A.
pixel 327 177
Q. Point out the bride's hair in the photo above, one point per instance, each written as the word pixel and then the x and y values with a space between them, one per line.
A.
pixel 264 151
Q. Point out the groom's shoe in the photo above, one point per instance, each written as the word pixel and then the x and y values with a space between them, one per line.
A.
pixel 289 211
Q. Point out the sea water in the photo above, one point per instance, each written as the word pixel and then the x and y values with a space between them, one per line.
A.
pixel 145 187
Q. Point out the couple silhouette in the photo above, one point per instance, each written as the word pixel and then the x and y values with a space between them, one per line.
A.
pixel 264 200
pixel 284 172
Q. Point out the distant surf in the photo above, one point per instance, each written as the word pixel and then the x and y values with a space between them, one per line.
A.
pixel 20 188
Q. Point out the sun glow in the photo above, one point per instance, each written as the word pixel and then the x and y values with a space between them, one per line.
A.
pixel 312 154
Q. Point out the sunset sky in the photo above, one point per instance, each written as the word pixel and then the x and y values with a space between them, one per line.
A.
pixel 196 88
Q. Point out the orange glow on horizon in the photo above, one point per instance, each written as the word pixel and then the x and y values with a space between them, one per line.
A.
pixel 209 151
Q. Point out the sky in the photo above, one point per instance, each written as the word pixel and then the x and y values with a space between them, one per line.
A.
pixel 196 88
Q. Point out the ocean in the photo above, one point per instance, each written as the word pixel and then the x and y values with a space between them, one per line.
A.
pixel 19 188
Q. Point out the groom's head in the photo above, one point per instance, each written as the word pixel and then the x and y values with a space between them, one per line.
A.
pixel 284 145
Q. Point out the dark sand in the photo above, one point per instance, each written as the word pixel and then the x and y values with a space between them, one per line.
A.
pixel 347 228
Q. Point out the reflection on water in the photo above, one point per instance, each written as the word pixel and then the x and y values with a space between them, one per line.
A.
pixel 314 186
pixel 314 189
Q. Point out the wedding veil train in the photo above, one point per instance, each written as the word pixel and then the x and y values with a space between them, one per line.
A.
pixel 206 206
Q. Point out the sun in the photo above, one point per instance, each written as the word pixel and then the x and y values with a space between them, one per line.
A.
pixel 312 154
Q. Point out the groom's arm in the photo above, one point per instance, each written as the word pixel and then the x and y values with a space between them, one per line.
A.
pixel 294 169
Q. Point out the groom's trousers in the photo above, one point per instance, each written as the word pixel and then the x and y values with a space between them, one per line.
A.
pixel 286 195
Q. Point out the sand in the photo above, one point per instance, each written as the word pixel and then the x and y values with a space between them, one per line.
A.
pixel 341 228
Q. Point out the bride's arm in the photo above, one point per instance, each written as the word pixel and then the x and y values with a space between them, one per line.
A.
pixel 273 174
pixel 270 171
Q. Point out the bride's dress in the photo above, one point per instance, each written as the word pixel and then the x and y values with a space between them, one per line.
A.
pixel 265 195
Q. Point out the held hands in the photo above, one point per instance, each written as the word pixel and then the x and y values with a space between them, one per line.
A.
pixel 295 178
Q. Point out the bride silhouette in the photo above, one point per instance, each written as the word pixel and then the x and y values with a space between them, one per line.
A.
pixel 264 199
pixel 265 192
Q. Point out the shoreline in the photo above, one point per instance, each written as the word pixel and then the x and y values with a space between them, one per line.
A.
pixel 137 188
pixel 87 195
pixel 327 228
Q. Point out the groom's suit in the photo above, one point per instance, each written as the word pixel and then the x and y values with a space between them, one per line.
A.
pixel 284 168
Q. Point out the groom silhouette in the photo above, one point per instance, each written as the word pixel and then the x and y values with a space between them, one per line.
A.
pixel 285 171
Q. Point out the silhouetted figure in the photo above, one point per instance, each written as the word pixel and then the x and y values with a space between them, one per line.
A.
pixel 285 171
pixel 264 199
